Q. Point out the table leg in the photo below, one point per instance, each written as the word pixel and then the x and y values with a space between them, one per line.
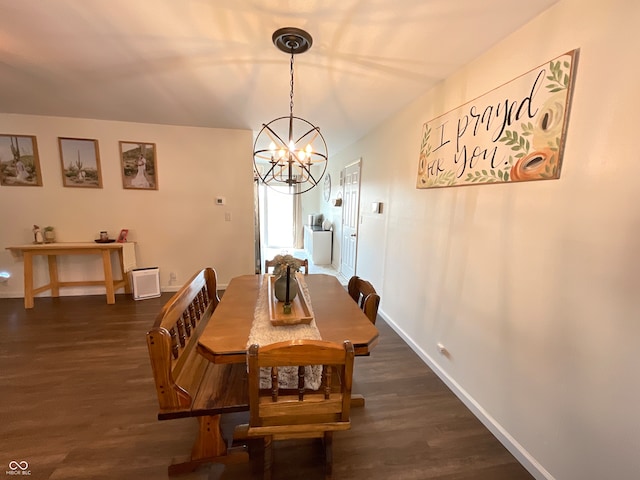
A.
pixel 53 275
pixel 28 280
pixel 125 275
pixel 108 276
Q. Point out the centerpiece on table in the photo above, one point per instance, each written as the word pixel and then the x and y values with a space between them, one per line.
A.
pixel 286 307
pixel 285 284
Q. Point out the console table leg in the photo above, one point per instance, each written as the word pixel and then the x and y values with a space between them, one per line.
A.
pixel 125 275
pixel 108 276
pixel 53 275
pixel 28 280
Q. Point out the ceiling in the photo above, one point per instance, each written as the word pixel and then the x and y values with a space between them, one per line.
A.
pixel 211 63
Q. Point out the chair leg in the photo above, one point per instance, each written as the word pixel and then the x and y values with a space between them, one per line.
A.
pixel 268 457
pixel 328 455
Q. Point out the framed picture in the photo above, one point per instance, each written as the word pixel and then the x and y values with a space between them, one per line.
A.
pixel 19 161
pixel 122 238
pixel 80 161
pixel 139 167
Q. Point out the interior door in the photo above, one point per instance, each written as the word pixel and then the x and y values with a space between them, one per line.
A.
pixel 350 215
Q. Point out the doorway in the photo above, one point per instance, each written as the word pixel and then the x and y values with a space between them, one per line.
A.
pixel 279 222
pixel 278 217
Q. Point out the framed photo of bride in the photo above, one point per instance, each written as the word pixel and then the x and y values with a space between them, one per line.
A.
pixel 139 165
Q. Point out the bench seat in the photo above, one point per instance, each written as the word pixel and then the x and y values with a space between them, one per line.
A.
pixel 187 384
pixel 214 395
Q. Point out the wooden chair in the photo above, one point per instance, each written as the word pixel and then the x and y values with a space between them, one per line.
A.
pixel 365 296
pixel 278 413
pixel 270 263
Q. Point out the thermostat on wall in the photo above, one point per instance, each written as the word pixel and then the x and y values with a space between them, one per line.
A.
pixel 221 200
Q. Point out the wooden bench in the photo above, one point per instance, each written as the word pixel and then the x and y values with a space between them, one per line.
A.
pixel 187 384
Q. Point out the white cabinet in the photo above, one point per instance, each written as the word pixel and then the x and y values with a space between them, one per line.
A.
pixel 317 243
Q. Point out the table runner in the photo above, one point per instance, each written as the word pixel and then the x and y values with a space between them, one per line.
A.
pixel 264 333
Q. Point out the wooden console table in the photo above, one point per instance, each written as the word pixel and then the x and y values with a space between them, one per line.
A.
pixel 51 250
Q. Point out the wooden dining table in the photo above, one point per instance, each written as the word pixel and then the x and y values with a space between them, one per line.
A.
pixel 224 338
pixel 337 316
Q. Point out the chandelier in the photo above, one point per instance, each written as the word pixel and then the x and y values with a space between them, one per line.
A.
pixel 290 151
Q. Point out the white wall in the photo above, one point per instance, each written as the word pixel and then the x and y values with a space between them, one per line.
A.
pixel 532 287
pixel 177 228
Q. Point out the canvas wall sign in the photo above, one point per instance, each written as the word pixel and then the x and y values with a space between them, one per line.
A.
pixel 513 133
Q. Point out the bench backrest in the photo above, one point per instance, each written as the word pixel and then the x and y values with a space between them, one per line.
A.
pixel 177 368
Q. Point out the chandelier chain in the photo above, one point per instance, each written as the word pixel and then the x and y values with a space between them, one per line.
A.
pixel 291 94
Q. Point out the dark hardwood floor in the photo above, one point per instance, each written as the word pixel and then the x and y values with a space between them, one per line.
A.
pixel 77 402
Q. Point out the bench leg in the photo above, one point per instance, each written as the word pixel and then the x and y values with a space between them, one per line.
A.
pixel 210 447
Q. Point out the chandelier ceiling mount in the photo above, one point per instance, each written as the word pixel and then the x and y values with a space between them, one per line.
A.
pixel 292 40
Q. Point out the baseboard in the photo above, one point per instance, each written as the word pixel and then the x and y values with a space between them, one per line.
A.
pixel 11 294
pixel 503 436
pixel 79 291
